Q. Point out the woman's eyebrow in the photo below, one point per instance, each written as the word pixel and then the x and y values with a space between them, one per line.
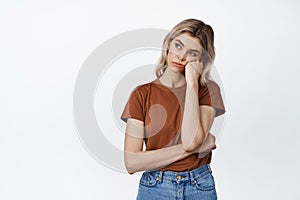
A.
pixel 179 42
pixel 183 45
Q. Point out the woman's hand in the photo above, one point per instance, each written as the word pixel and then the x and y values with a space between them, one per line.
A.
pixel 192 71
pixel 207 146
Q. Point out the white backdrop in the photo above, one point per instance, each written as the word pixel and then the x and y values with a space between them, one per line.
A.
pixel 43 45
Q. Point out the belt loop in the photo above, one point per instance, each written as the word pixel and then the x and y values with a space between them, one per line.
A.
pixel 209 168
pixel 160 176
pixel 193 181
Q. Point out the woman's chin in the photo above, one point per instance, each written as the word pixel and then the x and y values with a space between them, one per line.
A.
pixel 176 69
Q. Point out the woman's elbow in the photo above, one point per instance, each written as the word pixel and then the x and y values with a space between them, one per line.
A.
pixel 192 146
pixel 189 148
pixel 129 171
pixel 129 168
pixel 130 165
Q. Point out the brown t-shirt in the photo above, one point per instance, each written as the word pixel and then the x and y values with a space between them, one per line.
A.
pixel 161 109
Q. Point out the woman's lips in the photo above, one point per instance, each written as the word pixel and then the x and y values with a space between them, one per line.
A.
pixel 177 64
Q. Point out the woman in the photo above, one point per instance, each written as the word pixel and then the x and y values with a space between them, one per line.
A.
pixel 173 115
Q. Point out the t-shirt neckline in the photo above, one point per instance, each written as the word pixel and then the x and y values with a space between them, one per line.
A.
pixel 159 84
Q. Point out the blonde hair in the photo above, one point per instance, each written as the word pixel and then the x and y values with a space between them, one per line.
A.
pixel 194 28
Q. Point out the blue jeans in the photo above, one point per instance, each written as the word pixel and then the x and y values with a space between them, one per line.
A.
pixel 195 184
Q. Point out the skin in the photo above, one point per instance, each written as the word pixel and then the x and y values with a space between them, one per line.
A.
pixel 195 135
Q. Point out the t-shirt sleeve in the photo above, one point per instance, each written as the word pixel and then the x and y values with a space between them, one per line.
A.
pixel 134 107
pixel 210 95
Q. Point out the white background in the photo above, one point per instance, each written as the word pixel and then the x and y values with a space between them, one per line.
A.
pixel 44 43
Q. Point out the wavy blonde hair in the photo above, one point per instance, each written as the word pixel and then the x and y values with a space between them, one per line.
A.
pixel 195 28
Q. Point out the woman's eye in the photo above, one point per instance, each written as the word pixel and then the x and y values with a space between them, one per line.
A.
pixel 177 46
pixel 193 53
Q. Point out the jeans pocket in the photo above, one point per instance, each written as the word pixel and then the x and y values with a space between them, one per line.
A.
pixel 205 181
pixel 149 179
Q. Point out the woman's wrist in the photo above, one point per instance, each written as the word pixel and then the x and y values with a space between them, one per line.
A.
pixel 192 82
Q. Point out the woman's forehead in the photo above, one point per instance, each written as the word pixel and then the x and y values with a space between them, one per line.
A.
pixel 187 40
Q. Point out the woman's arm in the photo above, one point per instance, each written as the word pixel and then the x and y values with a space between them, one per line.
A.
pixel 138 160
pixel 197 120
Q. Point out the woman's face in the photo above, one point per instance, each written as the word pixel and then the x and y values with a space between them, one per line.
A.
pixel 183 49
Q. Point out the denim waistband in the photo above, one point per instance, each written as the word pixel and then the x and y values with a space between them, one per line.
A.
pixel 181 176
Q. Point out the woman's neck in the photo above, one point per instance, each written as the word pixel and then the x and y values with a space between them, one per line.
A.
pixel 172 78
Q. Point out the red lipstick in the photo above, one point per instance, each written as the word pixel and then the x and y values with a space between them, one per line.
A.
pixel 177 64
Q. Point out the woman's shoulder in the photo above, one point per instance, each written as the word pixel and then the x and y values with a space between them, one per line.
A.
pixel 144 87
pixel 211 84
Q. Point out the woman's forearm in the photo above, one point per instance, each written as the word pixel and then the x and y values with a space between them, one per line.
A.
pixel 191 130
pixel 154 159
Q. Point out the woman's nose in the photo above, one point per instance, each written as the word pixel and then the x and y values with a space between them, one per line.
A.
pixel 182 56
